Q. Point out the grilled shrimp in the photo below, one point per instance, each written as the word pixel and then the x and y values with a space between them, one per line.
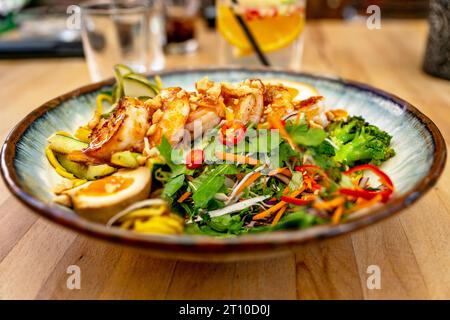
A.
pixel 201 121
pixel 246 100
pixel 278 100
pixel 124 130
pixel 175 112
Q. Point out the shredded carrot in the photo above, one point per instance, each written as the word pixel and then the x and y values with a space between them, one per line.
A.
pixel 269 211
pixel 328 205
pixel 309 197
pixel 184 197
pixel 308 181
pixel 285 171
pixel 275 208
pixel 278 216
pixel 361 204
pixel 337 214
pixel 249 181
pixel 276 123
pixel 231 157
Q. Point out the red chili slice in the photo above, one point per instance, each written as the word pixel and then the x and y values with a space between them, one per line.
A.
pixel 194 159
pixel 369 194
pixel 366 194
pixel 295 201
pixel 384 178
pixel 232 133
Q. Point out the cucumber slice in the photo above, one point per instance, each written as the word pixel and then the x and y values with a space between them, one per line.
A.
pixel 118 90
pixel 65 144
pixel 82 171
pixel 98 171
pixel 135 87
pixel 109 113
pixel 77 169
pixel 143 79
pixel 122 69
pixel 126 159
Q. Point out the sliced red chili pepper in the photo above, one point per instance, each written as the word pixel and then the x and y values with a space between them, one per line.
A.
pixel 384 178
pixel 366 194
pixel 232 133
pixel 295 201
pixel 194 159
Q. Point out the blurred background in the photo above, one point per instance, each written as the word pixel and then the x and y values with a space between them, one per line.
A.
pixel 33 28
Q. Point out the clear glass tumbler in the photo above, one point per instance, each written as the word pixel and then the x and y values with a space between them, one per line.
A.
pixel 181 16
pixel 276 26
pixel 122 31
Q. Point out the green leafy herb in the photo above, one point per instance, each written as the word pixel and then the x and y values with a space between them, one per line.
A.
pixel 209 183
pixel 173 185
pixel 207 191
pixel 226 223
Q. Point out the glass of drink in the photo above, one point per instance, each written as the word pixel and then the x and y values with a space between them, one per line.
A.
pixel 122 31
pixel 181 16
pixel 275 25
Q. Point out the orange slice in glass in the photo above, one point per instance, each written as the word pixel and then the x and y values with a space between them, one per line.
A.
pixel 271 32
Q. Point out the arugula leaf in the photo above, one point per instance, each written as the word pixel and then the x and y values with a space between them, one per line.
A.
pixel 165 149
pixel 209 183
pixel 295 220
pixel 300 220
pixel 207 191
pixel 173 185
pixel 194 228
pixel 226 223
pixel 219 170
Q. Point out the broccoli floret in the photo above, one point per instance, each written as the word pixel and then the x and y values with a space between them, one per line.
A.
pixel 343 132
pixel 325 148
pixel 359 142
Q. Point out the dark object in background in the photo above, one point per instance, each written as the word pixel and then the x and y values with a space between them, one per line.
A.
pixel 406 9
pixel 180 29
pixel 437 55
pixel 41 33
pixel 181 16
pixel 39 48
pixel 347 9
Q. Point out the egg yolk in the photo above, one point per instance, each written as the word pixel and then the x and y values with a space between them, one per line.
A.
pixel 107 186
pixel 293 92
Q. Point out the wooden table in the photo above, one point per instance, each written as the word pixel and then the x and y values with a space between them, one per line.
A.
pixel 411 249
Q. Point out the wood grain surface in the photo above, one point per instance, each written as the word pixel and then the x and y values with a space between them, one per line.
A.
pixel 412 249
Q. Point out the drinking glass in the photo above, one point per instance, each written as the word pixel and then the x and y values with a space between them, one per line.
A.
pixel 122 31
pixel 180 25
pixel 275 25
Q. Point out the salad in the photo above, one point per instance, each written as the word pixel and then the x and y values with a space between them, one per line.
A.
pixel 224 160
